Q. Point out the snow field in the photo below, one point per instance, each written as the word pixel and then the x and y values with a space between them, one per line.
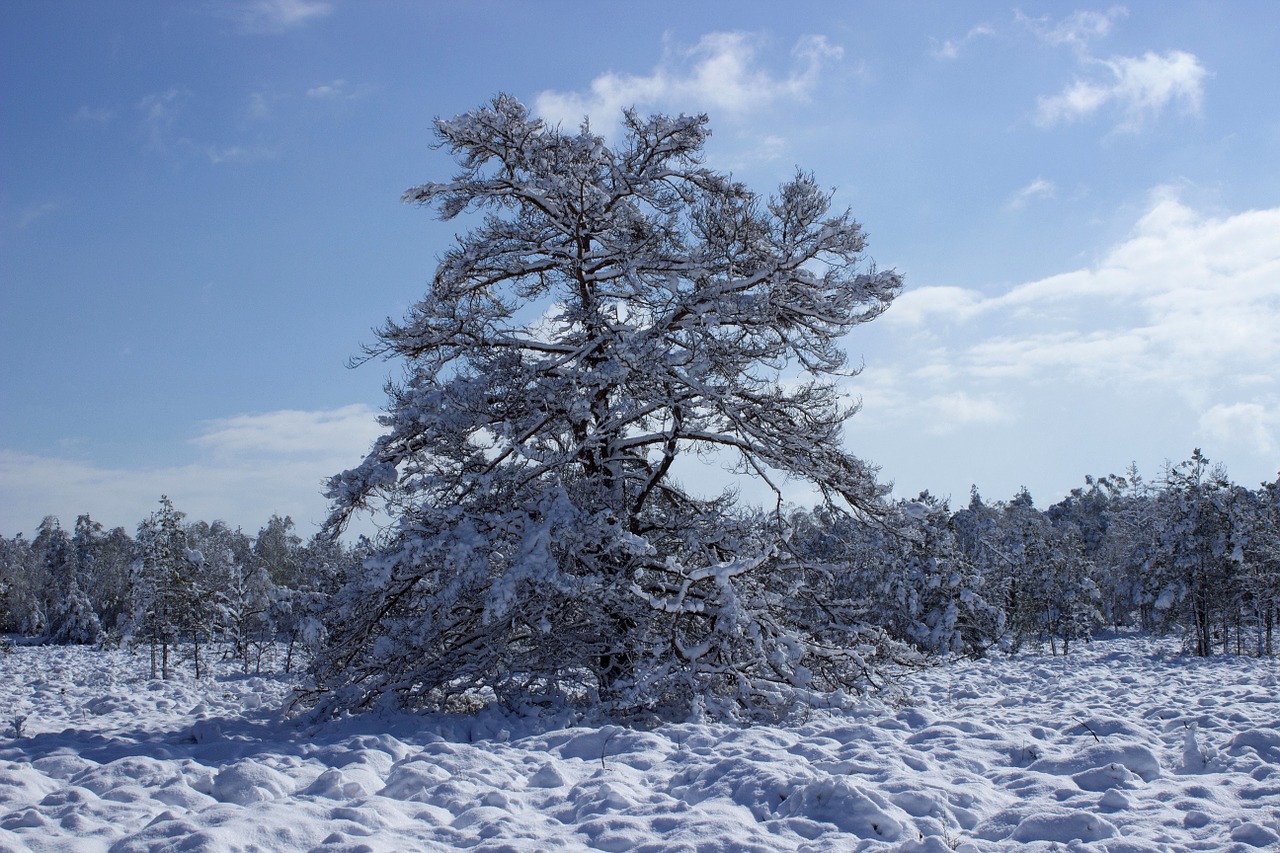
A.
pixel 1123 747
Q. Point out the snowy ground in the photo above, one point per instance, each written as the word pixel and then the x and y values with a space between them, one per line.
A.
pixel 1125 746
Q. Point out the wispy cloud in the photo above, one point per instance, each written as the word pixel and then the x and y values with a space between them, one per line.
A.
pixel 1076 30
pixel 335 90
pixel 951 48
pixel 159 112
pixel 920 305
pixel 1135 89
pixel 1040 188
pixel 722 73
pixel 1187 301
pixel 232 154
pixel 246 468
pixel 258 106
pixel 946 412
pixel 93 115
pixel 292 433
pixel 274 16
pixel 1166 342
pixel 163 115
pixel 1141 87
pixel 34 214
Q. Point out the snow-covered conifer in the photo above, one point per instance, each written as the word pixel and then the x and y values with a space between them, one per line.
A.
pixel 21 587
pixel 1256 522
pixel 165 581
pixel 1042 577
pixel 1194 560
pixel 930 593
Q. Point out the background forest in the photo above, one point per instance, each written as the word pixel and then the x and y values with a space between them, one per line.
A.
pixel 1190 552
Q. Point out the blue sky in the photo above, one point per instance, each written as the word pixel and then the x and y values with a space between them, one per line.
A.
pixel 200 221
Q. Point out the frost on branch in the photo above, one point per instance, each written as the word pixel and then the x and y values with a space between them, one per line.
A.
pixel 613 310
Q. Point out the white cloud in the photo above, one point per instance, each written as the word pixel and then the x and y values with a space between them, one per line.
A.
pixel 1140 87
pixel 162 122
pixel 273 16
pixel 1251 424
pixel 771 148
pixel 1187 301
pixel 338 90
pixel 93 115
pixel 34 214
pixel 1037 189
pixel 259 106
pixel 219 154
pixel 1077 29
pixel 934 304
pixel 1168 341
pixel 1137 88
pixel 946 412
pixel 722 73
pixel 291 433
pixel 951 48
pixel 159 111
pixel 248 467
pixel 1091 355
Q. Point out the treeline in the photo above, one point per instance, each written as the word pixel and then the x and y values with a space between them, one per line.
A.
pixel 172 585
pixel 1191 553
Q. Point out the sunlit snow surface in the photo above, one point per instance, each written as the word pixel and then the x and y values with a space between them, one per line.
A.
pixel 1125 746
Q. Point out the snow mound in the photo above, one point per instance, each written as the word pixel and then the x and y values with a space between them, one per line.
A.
pixel 1063 827
pixel 1136 758
pixel 248 782
pixel 851 808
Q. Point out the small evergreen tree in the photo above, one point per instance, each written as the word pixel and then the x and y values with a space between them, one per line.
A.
pixel 278 549
pixel 1194 560
pixel 929 593
pixel 21 587
pixel 165 579
pixel 52 548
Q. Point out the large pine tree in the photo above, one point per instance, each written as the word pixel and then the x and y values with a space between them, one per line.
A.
pixel 615 309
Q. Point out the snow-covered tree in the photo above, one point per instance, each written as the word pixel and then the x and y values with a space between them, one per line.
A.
pixel 297 612
pixel 72 617
pixel 250 625
pixel 1042 576
pixel 278 549
pixel 168 595
pixel 1194 562
pixel 1098 522
pixel 929 593
pixel 78 620
pixel 54 556
pixel 106 560
pixel 21 587
pixel 1128 561
pixel 232 607
pixel 617 308
pixel 1256 522
pixel 976 530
